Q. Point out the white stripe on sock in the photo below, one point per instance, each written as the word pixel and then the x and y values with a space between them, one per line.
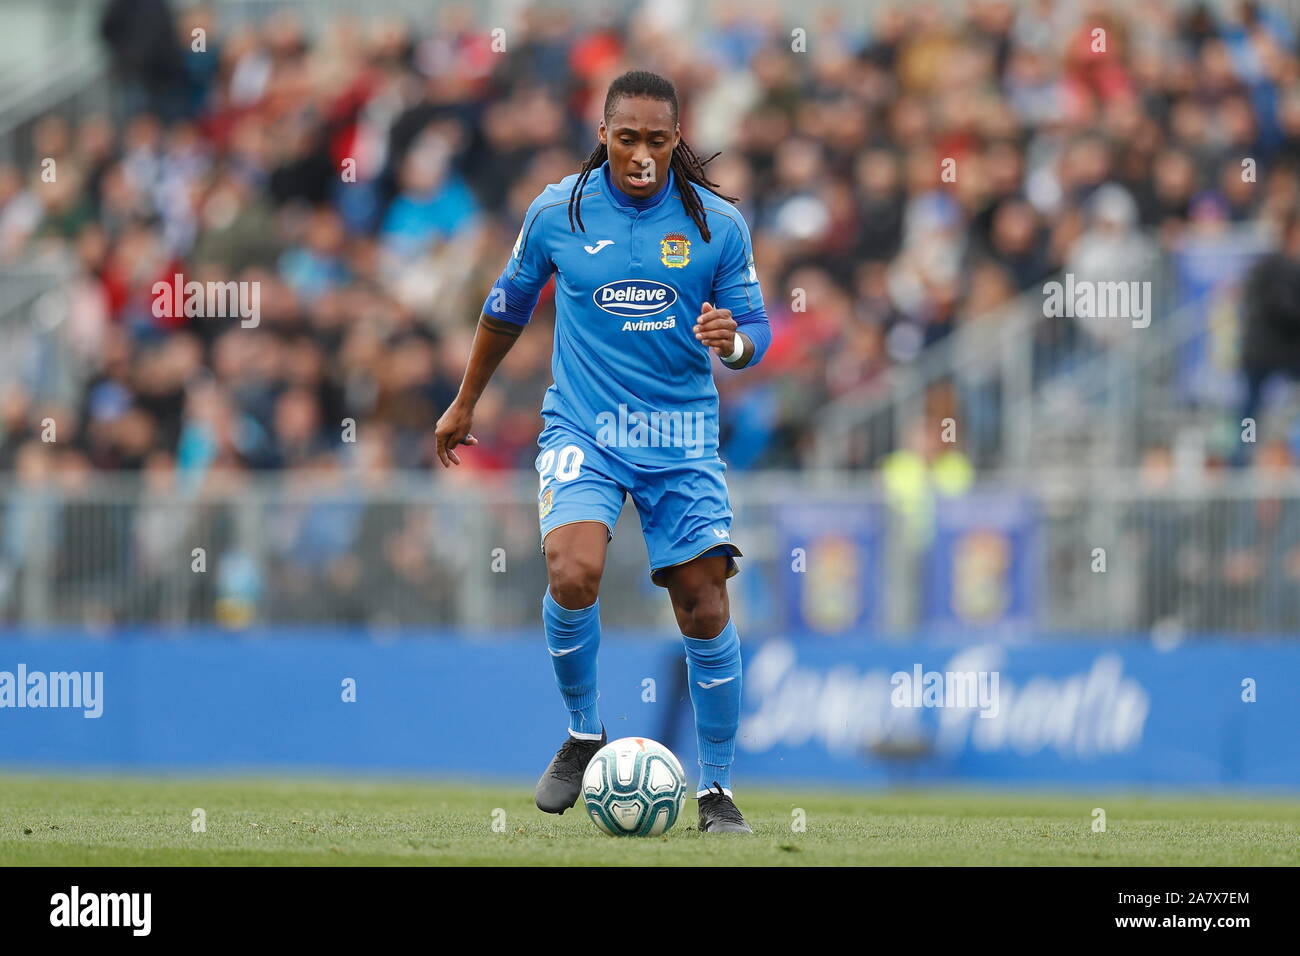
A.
pixel 726 790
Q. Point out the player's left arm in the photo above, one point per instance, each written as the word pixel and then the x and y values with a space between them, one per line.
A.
pixel 734 322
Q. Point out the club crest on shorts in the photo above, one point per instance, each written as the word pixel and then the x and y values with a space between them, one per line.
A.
pixel 544 506
pixel 675 250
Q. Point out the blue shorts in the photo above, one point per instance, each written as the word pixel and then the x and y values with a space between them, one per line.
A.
pixel 685 513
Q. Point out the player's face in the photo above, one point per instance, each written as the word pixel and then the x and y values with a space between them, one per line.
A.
pixel 640 135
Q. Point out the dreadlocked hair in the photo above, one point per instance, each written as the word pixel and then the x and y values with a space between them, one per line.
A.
pixel 685 163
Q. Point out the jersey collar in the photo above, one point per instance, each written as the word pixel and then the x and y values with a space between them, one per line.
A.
pixel 625 203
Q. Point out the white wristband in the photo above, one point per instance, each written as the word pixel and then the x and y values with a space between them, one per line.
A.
pixel 738 351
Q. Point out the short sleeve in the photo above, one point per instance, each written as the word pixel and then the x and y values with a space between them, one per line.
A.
pixel 530 263
pixel 514 295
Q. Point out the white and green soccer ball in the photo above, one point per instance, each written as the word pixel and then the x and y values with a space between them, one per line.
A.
pixel 634 786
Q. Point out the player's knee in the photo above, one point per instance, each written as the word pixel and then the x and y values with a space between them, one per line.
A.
pixel 702 614
pixel 574 579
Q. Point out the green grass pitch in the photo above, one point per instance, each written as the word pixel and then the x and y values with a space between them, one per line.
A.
pixel 67 821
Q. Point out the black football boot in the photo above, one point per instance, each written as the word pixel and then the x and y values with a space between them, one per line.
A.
pixel 719 814
pixel 560 785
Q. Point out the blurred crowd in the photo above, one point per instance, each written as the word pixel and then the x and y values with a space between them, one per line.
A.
pixel 371 172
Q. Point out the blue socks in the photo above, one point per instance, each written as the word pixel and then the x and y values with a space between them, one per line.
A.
pixel 713 669
pixel 573 638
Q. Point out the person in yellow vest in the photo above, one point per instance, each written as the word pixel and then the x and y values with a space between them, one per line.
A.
pixel 924 466
pixel 913 475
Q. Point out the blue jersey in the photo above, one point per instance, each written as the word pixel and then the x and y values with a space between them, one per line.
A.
pixel 628 369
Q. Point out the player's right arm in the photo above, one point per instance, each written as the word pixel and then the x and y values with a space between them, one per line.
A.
pixel 508 308
pixel 490 347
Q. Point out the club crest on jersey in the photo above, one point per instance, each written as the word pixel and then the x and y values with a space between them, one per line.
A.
pixel 675 251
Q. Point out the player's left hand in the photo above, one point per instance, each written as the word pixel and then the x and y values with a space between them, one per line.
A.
pixel 716 329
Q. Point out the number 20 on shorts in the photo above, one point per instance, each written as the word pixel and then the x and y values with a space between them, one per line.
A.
pixel 567 462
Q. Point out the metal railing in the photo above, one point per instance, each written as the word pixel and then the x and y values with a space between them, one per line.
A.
pixel 1014 378
pixel 1112 555
pixel 67 81
pixel 35 308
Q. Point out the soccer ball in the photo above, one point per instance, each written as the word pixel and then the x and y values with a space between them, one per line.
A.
pixel 634 786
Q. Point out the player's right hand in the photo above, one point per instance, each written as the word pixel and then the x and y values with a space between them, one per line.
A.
pixel 452 430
